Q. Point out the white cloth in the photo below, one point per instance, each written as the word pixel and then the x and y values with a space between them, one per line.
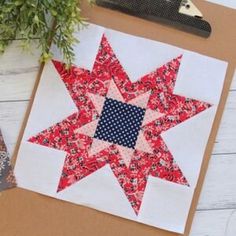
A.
pixel 165 205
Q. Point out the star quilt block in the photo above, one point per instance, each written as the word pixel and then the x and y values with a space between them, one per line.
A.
pixel 118 126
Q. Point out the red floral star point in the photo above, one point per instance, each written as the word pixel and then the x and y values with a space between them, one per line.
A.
pixel 86 154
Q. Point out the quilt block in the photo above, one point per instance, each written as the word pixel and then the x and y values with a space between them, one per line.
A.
pixel 125 129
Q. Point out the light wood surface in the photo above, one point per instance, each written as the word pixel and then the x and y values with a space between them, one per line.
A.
pixel 216 210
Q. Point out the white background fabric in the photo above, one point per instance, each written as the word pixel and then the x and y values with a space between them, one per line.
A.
pixel 165 205
pixel 227 3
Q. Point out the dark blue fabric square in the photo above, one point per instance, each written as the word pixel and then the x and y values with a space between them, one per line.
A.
pixel 119 123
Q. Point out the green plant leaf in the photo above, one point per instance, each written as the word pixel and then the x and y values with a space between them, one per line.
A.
pixel 33 19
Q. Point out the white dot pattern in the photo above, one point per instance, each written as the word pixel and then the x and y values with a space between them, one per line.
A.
pixel 119 123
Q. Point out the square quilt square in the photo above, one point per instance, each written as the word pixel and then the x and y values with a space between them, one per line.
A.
pixel 117 127
pixel 119 123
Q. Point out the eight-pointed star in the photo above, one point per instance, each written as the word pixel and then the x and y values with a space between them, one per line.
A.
pixel 91 143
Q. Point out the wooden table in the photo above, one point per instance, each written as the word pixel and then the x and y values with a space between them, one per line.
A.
pixel 216 212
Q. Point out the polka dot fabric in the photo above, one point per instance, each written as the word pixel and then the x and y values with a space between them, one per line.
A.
pixel 119 123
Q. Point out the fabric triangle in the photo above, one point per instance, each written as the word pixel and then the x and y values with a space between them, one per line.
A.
pixel 142 100
pixel 150 116
pixel 142 144
pixel 126 154
pixel 114 93
pixel 98 101
pixel 97 146
pixel 88 129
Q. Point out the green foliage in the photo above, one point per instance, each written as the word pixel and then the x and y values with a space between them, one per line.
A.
pixel 30 19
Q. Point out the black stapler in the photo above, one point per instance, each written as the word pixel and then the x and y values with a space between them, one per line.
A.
pixel 182 14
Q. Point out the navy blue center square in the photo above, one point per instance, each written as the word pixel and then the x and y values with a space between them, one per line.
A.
pixel 119 123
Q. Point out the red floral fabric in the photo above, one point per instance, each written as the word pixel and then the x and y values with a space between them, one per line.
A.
pixel 132 178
